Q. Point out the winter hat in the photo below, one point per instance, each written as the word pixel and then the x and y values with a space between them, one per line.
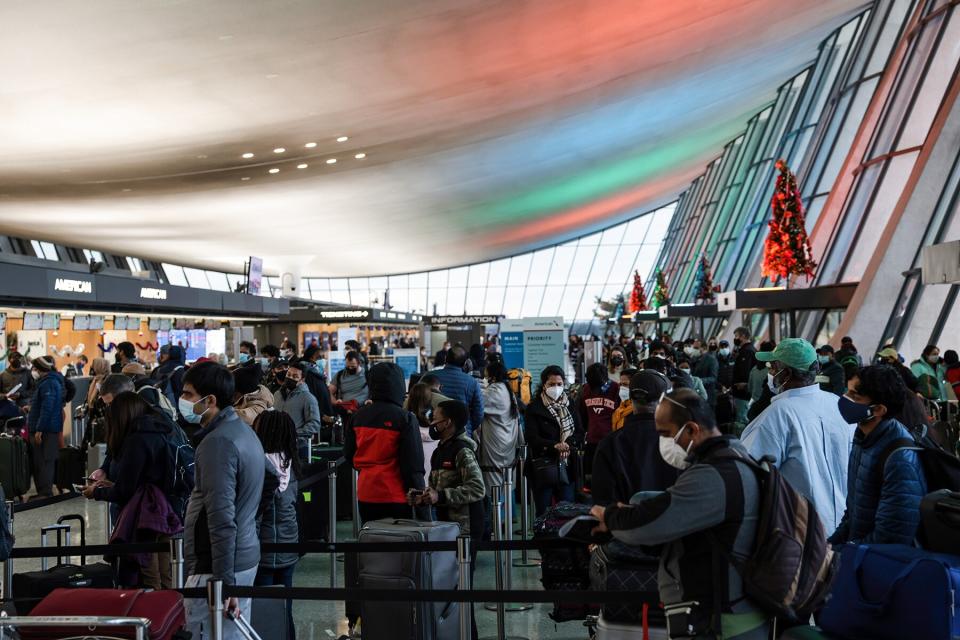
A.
pixel 42 364
pixel 246 379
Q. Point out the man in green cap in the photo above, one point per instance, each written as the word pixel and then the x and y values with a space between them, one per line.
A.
pixel 803 430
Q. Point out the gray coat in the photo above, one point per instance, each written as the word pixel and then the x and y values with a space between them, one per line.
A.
pixel 302 407
pixel 279 524
pixel 221 525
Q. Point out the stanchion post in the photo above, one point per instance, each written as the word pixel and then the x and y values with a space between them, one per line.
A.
pixel 176 563
pixel 8 563
pixel 107 522
pixel 332 518
pixel 465 584
pixel 524 511
pixel 215 605
pixel 508 522
pixel 355 478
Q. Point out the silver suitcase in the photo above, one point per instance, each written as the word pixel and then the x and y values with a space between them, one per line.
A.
pixel 619 631
pixel 412 571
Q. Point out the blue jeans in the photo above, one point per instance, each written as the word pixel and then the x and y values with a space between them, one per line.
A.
pixel 269 577
pixel 543 498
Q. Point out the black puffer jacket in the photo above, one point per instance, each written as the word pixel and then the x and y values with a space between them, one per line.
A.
pixel 143 459
pixel 279 524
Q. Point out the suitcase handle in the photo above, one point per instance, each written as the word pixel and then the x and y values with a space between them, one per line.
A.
pixel 59 528
pixel 884 602
pixel 71 517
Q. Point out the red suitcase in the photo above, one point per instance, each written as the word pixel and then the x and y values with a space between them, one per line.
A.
pixel 164 609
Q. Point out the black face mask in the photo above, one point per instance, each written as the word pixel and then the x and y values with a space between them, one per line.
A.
pixel 352 371
pixel 736 342
pixel 616 361
pixel 291 384
pixel 433 432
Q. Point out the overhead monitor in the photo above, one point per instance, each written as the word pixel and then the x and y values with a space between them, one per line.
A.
pixel 51 321
pixel 96 323
pixel 81 322
pixel 3 321
pixel 32 321
pixel 153 324
pixel 254 275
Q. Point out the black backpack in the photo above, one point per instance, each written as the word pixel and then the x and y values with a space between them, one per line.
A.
pixel 940 467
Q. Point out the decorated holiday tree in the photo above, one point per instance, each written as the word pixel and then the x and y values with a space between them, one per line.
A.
pixel 703 288
pixel 609 309
pixel 787 251
pixel 661 293
pixel 638 298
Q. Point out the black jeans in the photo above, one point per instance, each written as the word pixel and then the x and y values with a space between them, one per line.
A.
pixel 269 577
pixel 45 461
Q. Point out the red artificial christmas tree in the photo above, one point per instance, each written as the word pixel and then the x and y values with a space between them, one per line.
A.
pixel 787 251
pixel 638 298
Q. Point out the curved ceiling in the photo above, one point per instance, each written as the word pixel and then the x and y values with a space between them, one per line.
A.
pixel 488 127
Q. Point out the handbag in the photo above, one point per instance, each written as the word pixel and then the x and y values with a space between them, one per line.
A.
pixel 549 472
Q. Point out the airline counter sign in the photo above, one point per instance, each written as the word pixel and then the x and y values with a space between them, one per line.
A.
pixel 153 293
pixel 70 286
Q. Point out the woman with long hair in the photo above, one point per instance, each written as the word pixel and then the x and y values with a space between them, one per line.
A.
pixel 99 369
pixel 420 403
pixel 278 435
pixel 139 456
pixel 499 434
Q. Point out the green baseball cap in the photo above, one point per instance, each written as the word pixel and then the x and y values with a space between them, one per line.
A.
pixel 796 353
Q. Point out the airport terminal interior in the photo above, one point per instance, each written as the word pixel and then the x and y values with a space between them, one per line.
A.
pixel 567 319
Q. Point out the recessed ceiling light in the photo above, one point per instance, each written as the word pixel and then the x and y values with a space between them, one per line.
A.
pixel 302 166
pixel 274 170
pixel 127 190
pixel 202 156
pixel 279 150
pixel 342 139
pixel 271 76
pixel 332 161
pixel 360 156
pixel 247 155
pixel 245 178
pixel 310 145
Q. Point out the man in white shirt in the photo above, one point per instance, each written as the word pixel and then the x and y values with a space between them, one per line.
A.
pixel 803 431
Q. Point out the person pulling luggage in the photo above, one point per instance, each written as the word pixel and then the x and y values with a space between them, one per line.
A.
pixel 455 486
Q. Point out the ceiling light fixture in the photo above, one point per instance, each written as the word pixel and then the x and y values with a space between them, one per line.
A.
pixel 360 156
pixel 245 178
pixel 247 155
pixel 310 145
pixel 279 150
pixel 332 161
pixel 342 139
pixel 302 166
pixel 274 170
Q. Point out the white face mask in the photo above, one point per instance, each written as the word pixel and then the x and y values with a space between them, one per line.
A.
pixel 624 393
pixel 933 359
pixel 672 453
pixel 186 410
pixel 771 384
pixel 35 374
pixel 554 393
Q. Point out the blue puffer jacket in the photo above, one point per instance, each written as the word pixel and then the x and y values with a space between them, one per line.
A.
pixel 882 509
pixel 46 407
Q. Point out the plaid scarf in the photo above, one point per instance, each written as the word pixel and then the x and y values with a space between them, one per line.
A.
pixel 560 410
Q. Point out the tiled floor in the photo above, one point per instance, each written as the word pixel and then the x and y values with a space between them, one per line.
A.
pixel 324 620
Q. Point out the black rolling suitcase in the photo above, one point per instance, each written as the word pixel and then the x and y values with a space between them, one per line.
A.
pixel 31 587
pixel 940 522
pixel 14 466
pixel 564 568
pixel 618 567
pixel 71 468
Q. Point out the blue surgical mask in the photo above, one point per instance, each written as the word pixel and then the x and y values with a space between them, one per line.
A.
pixel 823 359
pixel 322 364
pixel 854 412
pixel 244 357
pixel 186 410
pixel 725 352
pixel 265 363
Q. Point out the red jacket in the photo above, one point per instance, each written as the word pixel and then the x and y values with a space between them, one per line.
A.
pixel 597 408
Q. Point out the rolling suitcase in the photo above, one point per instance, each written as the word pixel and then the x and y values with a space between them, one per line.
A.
pixel 609 630
pixel 14 466
pixel 617 567
pixel 164 610
pixel 71 468
pixel 892 592
pixel 567 568
pixel 410 571
pixel 31 587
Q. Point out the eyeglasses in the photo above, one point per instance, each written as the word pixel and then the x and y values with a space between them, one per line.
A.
pixel 665 396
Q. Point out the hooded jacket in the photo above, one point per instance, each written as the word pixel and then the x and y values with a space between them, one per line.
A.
pixel 382 441
pixel 279 520
pixel 253 404
pixel 301 406
pixel 499 435
pixel 143 460
pixel 457 479
pixel 745 362
pixel 46 407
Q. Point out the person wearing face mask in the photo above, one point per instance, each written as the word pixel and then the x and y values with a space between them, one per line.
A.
pixel 316 381
pixel 295 399
pixel 617 363
pixel 17 373
pixel 886 481
pixel 713 499
pixel 269 354
pixel 553 432
pixel 287 349
pixel 697 384
pixel 45 422
pixel 628 460
pixel 220 528
pixel 706 367
pixel 350 384
pixel 725 362
pixel 802 430
pixel 760 394
pixel 635 350
pixel 930 373
pixel 455 486
pixel 168 376
pixel 832 379
pixel 250 398
pixel 626 406
pixel 743 365
pixel 890 356
pixel 599 399
pixel 499 434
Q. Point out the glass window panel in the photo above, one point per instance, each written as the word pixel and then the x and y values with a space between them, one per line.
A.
pixel 338 284
pixel 582 263
pixel 174 274
pixel 340 296
pixel 196 278
pixel 562 262
pixel 569 303
pixel 458 277
pixel 456 300
pixel 399 282
pixel 552 297
pixel 637 228
pixel 478 276
pixel 320 289
pixel 923 320
pixel 363 297
pixel 531 301
pixel 602 266
pixel 540 267
pixel 591 240
pixel 493 300
pixel 520 269
pixel 929 96
pixel 499 270
pixel 218 281
pixel 613 235
pixel 437 298
pixel 418 279
pixel 438 279
pixel 512 302
pixel 378 284
pixel 234 279
pixel 400 299
pixel 418 301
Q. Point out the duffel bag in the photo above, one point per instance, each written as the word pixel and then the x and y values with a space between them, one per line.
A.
pixel 892 592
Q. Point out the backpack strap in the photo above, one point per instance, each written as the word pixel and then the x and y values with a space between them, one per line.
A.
pixel 896 445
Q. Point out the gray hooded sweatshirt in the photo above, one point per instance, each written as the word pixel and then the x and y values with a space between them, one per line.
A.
pixel 499 436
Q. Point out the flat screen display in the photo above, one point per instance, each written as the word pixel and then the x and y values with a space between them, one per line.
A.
pixel 133 323
pixel 51 321
pixel 96 323
pixel 81 322
pixel 196 344
pixel 32 321
pixel 255 276
pixel 153 324
pixel 3 321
